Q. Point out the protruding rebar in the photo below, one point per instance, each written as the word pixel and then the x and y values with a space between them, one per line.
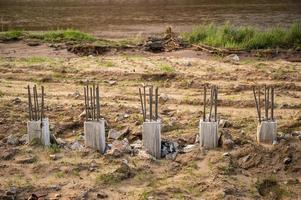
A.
pixel 151 103
pixel 91 103
pixel 259 104
pixel 42 103
pixel 272 102
pixel 211 103
pixel 29 104
pixel 256 103
pixel 156 103
pixel 265 102
pixel 97 103
pixel 144 95
pixel 86 109
pixel 36 106
pixel 142 107
pixel 215 104
pixel 268 102
pixel 204 102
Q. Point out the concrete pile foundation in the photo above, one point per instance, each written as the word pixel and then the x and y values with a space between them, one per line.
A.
pixel 39 130
pixel 266 132
pixel 95 135
pixel 208 134
pixel 151 137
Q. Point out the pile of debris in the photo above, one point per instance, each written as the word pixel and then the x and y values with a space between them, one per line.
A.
pixel 170 41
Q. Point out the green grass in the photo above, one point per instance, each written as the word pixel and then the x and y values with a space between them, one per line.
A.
pixel 229 36
pixel 49 36
pixel 11 35
pixel 165 67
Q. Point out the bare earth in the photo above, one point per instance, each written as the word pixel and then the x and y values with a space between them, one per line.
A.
pixel 249 171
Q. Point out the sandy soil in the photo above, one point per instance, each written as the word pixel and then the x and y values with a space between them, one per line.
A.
pixel 249 171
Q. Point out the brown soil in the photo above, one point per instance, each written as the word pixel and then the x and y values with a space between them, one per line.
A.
pixel 250 171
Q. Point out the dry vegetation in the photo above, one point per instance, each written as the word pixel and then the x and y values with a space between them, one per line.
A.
pixel 249 171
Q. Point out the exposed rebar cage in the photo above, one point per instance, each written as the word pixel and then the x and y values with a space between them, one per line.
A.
pixel 92 104
pixel 269 102
pixel 213 104
pixel 153 100
pixel 35 110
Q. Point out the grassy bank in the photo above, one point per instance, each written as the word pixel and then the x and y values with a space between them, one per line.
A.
pixel 229 36
pixel 48 36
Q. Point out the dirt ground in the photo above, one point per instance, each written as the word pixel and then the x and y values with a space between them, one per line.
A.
pixel 245 171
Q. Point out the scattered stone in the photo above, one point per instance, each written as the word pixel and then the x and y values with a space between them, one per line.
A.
pixel 163 97
pixel 232 58
pixel 228 144
pixel 226 154
pixel 168 147
pixel 82 115
pixel 225 124
pixel 110 82
pixel 61 142
pixel 189 148
pixel 275 142
pixel 102 195
pixel 23 139
pixel 12 140
pixel 76 146
pixel 113 134
pixel 27 160
pixel 119 148
pixel 8 154
pixel 53 157
pixel 287 160
pixel 33 43
pixel 93 165
pixel 16 100
pixel 12 191
pixel 58 195
pixel 121 117
pixel 142 154
pixel 292 181
pixel 55 187
pixel 76 94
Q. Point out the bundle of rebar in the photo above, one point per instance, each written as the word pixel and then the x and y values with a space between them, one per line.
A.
pixel 269 99
pixel 213 104
pixel 143 100
pixel 35 111
pixel 92 104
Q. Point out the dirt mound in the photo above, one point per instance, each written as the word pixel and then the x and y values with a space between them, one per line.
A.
pixel 169 41
pixel 285 156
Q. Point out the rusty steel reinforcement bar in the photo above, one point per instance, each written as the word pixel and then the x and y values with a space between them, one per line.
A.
pixel 204 103
pixel 86 110
pixel 265 103
pixel 29 104
pixel 268 102
pixel 156 103
pixel 259 104
pixel 272 102
pixel 91 103
pixel 215 104
pixel 211 102
pixel 42 103
pixel 256 103
pixel 150 103
pixel 97 103
pixel 142 105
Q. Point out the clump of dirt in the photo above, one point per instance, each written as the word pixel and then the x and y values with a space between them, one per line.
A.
pixel 285 156
pixel 169 41
pixel 88 49
pixel 269 188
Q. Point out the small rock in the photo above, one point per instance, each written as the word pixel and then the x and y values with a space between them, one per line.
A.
pixel 163 97
pixel 113 134
pixel 232 58
pixel 12 140
pixel 287 160
pixel 16 100
pixel 12 191
pixel 53 157
pixel 226 154
pixel 224 124
pixel 102 195
pixel 61 142
pixel 189 148
pixel 55 187
pixel 119 148
pixel 82 115
pixel 228 144
pixel 76 146
pixel 76 94
pixel 58 195
pixel 27 160
pixel 24 139
pixel 8 154
pixel 275 142
pixel 110 82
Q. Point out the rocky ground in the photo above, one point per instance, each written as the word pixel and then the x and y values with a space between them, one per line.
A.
pixel 238 169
